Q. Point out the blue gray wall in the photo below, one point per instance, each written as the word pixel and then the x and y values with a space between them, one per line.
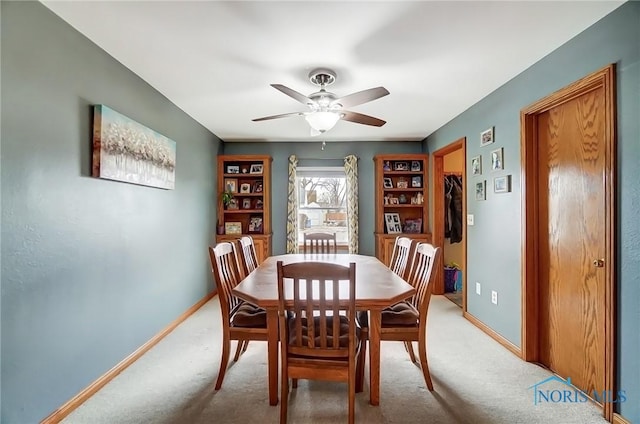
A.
pixel 496 233
pixel 91 268
pixel 311 154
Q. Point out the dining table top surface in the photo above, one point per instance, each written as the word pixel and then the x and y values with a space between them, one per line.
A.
pixel 376 285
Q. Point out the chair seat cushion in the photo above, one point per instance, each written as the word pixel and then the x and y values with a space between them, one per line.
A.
pixel 400 314
pixel 343 331
pixel 248 315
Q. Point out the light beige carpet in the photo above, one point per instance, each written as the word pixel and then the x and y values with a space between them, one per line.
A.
pixel 476 381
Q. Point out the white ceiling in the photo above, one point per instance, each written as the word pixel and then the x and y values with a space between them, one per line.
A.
pixel 216 59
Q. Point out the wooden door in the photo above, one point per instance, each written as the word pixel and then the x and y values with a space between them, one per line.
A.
pixel 572 227
pixel 568 229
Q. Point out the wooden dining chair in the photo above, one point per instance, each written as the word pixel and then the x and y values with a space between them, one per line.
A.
pixel 320 243
pixel 248 255
pixel 241 321
pixel 326 346
pixel 400 256
pixel 407 321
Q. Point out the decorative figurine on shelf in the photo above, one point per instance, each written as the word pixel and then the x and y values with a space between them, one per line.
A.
pixel 386 166
pixel 402 199
pixel 419 199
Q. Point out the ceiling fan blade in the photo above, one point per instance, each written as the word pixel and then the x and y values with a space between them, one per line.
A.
pixel 282 115
pixel 360 97
pixel 360 118
pixel 294 94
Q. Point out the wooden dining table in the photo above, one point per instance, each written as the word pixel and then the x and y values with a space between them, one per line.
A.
pixel 377 287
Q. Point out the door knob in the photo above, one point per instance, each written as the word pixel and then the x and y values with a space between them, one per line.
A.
pixel 598 263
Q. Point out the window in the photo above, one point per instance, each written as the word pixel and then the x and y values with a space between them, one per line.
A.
pixel 322 202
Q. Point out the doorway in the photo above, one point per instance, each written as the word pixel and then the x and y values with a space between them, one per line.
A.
pixel 568 155
pixel 450 228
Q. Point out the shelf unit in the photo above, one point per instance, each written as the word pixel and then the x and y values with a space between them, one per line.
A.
pixel 401 200
pixel 249 179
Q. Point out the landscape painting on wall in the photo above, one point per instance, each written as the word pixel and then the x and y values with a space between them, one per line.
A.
pixel 124 150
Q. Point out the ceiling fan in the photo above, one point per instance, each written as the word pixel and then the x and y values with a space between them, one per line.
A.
pixel 325 108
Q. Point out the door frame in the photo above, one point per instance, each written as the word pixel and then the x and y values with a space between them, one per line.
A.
pixel 605 79
pixel 438 212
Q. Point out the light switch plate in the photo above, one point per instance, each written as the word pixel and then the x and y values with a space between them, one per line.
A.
pixel 469 219
pixel 478 290
pixel 494 297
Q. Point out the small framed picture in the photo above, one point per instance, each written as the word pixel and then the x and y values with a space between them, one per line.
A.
pixel 476 165
pixel 246 203
pixel 481 190
pixel 231 185
pixel 233 169
pixel 496 160
pixel 416 165
pixel 502 184
pixel 233 227
pixel 486 137
pixel 402 183
pixel 257 186
pixel 245 188
pixel 233 204
pixel 400 166
pixel 394 201
pixel 387 182
pixel 258 204
pixel 255 224
pixel 256 168
pixel 413 226
pixel 392 222
pixel 416 182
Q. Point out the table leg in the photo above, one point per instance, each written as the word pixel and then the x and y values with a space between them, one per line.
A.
pixel 374 356
pixel 272 348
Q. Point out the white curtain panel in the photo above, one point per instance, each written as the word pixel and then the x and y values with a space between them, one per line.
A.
pixel 351 170
pixel 292 207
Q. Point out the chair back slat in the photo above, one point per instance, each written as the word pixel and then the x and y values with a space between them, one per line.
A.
pixel 421 275
pixel 309 292
pixel 320 243
pixel 224 262
pixel 248 254
pixel 400 255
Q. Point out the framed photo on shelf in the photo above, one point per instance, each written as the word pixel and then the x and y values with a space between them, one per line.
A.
pixel 481 190
pixel 496 160
pixel 502 184
pixel 401 166
pixel 255 224
pixel 257 187
pixel 387 182
pixel 245 188
pixel 258 204
pixel 246 203
pixel 486 137
pixel 392 222
pixel 233 204
pixel 394 201
pixel 413 226
pixel 416 165
pixel 476 165
pixel 231 185
pixel 233 169
pixel 416 182
pixel 402 183
pixel 233 227
pixel 256 168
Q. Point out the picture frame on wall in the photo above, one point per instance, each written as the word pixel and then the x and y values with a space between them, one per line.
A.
pixel 502 184
pixel 481 190
pixel 392 222
pixel 476 165
pixel 486 137
pixel 496 160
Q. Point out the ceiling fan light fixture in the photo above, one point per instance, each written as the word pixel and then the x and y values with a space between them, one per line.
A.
pixel 322 121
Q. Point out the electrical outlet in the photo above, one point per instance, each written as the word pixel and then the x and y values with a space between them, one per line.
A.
pixel 494 297
pixel 470 219
pixel 478 290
